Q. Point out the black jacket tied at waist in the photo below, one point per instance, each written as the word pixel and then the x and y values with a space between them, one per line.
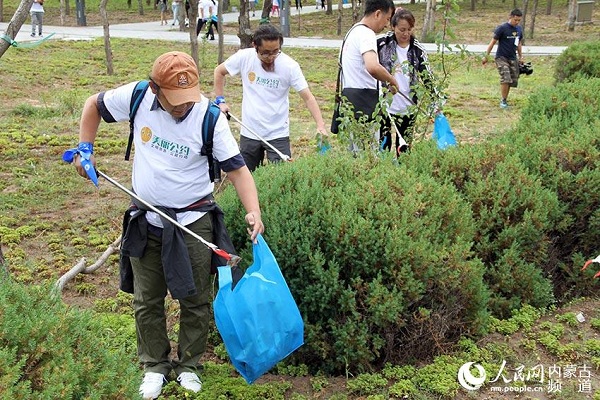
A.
pixel 175 259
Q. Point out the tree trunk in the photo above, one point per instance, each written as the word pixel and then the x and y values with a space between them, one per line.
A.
pixel 548 7
pixel 67 7
pixel 129 4
pixel 3 267
pixel 220 57
pixel 266 11
pixel 1 10
pixel 571 17
pixel 532 23
pixel 193 37
pixel 429 22
pixel 244 28
pixel 355 12
pixel 299 19
pixel 339 17
pixel 329 10
pixel 473 3
pixel 525 11
pixel 107 49
pixel 140 7
pixel 15 24
pixel 62 12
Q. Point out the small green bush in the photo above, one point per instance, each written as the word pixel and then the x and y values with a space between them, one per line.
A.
pixel 49 351
pixel 375 255
pixel 579 60
pixel 558 112
pixel 557 140
pixel 513 214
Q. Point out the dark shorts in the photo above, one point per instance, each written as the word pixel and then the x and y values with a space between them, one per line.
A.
pixel 253 150
pixel 508 70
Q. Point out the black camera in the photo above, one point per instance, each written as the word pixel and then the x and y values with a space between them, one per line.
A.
pixel 525 69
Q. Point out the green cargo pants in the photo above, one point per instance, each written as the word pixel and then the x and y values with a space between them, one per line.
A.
pixel 150 290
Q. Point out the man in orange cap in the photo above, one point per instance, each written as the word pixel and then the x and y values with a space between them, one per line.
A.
pixel 169 173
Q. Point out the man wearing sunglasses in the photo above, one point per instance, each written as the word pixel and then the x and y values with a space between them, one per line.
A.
pixel 267 75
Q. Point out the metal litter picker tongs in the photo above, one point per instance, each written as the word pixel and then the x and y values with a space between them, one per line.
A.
pixel 284 157
pixel 86 151
pixel 232 259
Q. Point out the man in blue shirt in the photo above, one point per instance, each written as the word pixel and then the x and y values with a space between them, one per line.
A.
pixel 509 37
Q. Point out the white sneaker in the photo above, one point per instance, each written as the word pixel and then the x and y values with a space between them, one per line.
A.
pixel 152 385
pixel 189 381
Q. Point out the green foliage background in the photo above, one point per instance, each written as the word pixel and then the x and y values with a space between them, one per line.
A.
pixel 49 351
pixel 382 256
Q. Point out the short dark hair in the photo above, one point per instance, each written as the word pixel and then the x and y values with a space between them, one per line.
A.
pixel 516 12
pixel 266 32
pixel 403 13
pixel 374 5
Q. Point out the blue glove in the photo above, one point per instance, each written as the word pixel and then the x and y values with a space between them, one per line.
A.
pixel 85 151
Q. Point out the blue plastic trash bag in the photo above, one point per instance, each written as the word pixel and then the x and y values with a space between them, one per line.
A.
pixel 442 133
pixel 258 320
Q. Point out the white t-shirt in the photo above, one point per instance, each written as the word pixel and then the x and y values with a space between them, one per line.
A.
pixel 204 8
pixel 402 74
pixel 360 40
pixel 265 101
pixel 168 169
pixel 36 7
pixel 212 9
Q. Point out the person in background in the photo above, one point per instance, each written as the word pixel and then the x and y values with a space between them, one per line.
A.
pixel 361 71
pixel 187 13
pixel 267 77
pixel 275 8
pixel 203 14
pixel 170 173
pixel 251 7
pixel 176 8
pixel 403 56
pixel 37 17
pixel 509 53
pixel 213 19
pixel 162 6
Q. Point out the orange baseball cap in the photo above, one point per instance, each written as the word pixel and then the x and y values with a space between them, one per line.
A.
pixel 177 76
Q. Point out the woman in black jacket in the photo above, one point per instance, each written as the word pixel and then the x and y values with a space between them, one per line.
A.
pixel 405 58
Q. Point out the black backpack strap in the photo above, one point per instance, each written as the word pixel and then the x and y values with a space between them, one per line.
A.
pixel 208 132
pixel 136 98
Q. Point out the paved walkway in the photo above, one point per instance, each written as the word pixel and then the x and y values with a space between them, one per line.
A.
pixel 153 30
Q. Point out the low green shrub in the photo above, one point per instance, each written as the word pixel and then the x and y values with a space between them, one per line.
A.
pixel 558 112
pixel 522 318
pixel 375 256
pixel 579 60
pixel 557 140
pixel 513 214
pixel 49 351
pixel 368 247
